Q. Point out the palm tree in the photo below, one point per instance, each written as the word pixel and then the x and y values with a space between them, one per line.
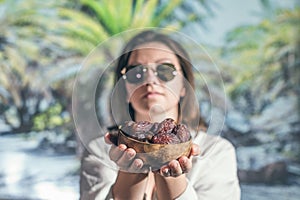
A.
pixel 95 21
pixel 21 87
pixel 41 39
pixel 267 53
pixel 29 64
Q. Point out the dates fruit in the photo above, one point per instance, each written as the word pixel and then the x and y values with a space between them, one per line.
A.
pixel 165 138
pixel 166 127
pixel 165 132
pixel 140 131
pixel 182 132
pixel 156 144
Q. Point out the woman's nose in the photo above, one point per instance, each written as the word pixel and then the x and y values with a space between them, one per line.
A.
pixel 151 76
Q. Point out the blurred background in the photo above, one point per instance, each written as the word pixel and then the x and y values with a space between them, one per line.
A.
pixel 255 44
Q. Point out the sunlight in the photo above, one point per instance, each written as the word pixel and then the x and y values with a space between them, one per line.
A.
pixel 13 167
pixel 48 190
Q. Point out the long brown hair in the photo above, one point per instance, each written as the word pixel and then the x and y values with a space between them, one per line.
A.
pixel 188 107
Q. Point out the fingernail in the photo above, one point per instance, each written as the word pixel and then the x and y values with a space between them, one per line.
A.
pixel 183 163
pixel 130 154
pixel 122 147
pixel 183 160
pixel 138 165
pixel 166 172
pixel 174 164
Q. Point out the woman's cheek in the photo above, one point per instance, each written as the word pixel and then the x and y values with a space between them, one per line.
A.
pixel 129 91
pixel 175 88
pixel 132 92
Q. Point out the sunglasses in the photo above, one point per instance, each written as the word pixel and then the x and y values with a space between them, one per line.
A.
pixel 135 74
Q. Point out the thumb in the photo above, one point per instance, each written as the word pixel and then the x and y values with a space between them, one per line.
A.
pixel 195 150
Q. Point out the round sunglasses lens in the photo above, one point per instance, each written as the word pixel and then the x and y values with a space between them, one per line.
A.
pixel 166 72
pixel 135 74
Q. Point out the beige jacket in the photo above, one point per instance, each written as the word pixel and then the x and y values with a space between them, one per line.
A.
pixel 213 177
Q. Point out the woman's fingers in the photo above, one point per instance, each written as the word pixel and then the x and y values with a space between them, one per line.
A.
pixel 181 165
pixel 107 138
pixel 116 152
pixel 165 171
pixel 185 164
pixel 126 158
pixel 120 154
pixel 175 168
pixel 137 166
pixel 172 169
pixel 111 138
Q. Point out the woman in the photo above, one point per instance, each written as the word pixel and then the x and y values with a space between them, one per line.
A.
pixel 154 81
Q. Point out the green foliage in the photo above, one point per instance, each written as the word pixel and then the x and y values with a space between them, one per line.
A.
pixel 259 53
pixel 24 58
pixel 81 30
pixel 50 118
pixel 42 44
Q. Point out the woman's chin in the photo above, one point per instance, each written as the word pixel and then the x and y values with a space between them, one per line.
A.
pixel 156 109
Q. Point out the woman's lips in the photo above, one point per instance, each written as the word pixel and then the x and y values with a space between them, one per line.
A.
pixel 152 94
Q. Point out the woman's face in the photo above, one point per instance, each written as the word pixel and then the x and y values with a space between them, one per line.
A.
pixel 154 99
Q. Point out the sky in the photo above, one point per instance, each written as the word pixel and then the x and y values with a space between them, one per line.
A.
pixel 230 14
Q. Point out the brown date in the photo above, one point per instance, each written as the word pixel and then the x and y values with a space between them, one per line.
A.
pixel 165 132
pixel 139 130
pixel 166 126
pixel 182 132
pixel 165 138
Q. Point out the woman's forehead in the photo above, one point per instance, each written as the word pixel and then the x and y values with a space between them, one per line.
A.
pixel 154 45
pixel 150 52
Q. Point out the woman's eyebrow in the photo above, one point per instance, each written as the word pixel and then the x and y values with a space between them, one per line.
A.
pixel 156 61
pixel 159 60
pixel 163 60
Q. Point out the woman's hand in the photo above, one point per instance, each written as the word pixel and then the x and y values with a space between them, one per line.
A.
pixel 181 165
pixel 124 157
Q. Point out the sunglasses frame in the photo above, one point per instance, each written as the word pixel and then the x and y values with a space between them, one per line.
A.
pixel 145 69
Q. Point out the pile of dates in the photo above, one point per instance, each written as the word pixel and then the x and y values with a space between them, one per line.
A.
pixel 165 132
